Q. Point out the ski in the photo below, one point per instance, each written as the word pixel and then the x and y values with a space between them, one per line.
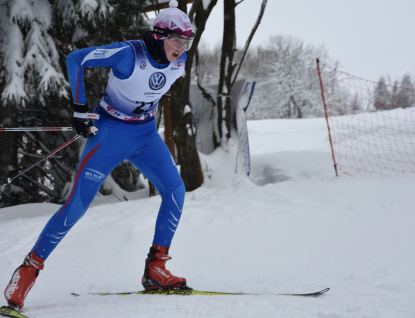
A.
pixel 321 292
pixel 190 292
pixel 7 311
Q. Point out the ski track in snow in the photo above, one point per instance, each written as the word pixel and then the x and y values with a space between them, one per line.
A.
pixel 292 227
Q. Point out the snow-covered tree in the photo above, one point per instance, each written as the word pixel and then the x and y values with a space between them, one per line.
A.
pixel 382 99
pixel 287 84
pixel 291 81
pixel 406 92
pixel 35 38
pixel 33 86
pixel 30 58
pixel 390 94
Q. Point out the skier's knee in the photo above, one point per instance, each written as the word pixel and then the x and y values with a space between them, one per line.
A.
pixel 73 210
pixel 178 196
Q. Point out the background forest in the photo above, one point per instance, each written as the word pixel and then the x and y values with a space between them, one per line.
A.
pixel 287 83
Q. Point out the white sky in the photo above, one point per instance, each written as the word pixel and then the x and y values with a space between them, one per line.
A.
pixel 369 38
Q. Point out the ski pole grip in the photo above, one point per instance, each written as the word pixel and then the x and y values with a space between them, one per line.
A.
pixel 92 130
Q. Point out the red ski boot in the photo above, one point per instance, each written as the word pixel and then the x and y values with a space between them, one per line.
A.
pixel 22 281
pixel 156 276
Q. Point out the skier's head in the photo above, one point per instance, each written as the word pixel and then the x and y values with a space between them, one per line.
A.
pixel 174 26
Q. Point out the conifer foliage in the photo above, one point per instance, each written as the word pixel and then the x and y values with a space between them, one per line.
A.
pixel 35 38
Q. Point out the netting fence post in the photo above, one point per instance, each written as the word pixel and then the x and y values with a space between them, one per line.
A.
pixel 327 118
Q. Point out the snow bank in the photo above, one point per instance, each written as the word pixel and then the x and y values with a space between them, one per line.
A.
pixel 292 227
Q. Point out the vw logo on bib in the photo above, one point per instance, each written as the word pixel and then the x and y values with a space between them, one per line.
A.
pixel 157 81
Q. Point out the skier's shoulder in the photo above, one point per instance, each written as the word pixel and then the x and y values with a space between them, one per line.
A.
pixel 137 46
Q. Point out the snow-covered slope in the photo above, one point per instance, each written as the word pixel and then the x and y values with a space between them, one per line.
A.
pixel 291 227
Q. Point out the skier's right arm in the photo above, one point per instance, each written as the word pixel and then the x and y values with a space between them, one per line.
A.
pixel 118 56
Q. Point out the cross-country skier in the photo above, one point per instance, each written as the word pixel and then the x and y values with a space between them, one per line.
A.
pixel 141 72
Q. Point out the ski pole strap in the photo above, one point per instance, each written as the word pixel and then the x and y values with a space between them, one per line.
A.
pixel 37 129
pixel 86 115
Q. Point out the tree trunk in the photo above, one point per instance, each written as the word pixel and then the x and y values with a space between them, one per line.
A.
pixel 183 130
pixel 185 136
pixel 225 78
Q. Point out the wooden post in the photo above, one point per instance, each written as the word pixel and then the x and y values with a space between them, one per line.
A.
pixel 327 117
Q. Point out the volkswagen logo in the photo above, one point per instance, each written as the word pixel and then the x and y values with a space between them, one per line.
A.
pixel 157 81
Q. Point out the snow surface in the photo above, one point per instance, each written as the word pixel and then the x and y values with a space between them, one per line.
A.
pixel 291 227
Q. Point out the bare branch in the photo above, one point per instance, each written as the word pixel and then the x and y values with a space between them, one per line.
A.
pixel 37 156
pixel 248 41
pixel 42 187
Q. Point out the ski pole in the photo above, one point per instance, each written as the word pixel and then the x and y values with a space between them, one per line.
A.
pixel 37 129
pixel 9 180
pixel 92 130
pixel 82 115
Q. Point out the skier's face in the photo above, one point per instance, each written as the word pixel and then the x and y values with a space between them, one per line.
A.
pixel 171 52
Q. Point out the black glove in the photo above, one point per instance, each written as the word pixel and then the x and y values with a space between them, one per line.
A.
pixel 80 123
pixel 81 126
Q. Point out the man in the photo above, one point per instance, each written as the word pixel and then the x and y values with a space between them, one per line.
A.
pixel 141 72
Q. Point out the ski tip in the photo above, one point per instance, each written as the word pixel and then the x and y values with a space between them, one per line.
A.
pixel 324 290
pixel 318 293
pixel 321 292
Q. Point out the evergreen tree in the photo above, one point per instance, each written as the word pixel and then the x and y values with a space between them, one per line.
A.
pixel 355 106
pixel 35 38
pixel 382 95
pixel 406 92
pixel 33 90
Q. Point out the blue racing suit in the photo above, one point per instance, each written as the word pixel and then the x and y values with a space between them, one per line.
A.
pixel 126 131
